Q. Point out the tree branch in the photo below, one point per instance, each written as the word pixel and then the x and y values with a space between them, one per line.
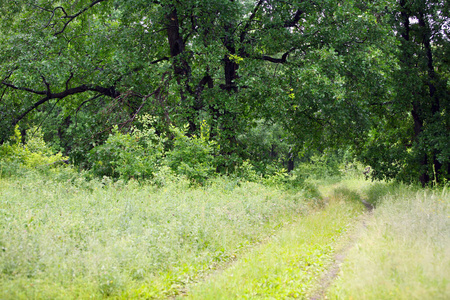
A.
pixel 81 105
pixel 3 94
pixel 247 26
pixel 24 89
pixel 48 92
pixel 68 80
pixel 159 60
pixel 110 92
pixel 295 19
pixel 71 17
pixel 281 60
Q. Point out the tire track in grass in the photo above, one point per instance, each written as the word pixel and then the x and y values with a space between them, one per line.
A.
pixel 288 265
pixel 333 271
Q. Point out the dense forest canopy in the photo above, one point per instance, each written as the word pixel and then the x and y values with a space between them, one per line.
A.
pixel 261 80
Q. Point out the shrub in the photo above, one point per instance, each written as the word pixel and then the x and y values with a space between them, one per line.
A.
pixel 246 171
pixel 192 156
pixel 14 155
pixel 128 155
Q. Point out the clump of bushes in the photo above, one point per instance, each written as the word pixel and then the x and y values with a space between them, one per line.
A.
pixel 192 156
pixel 141 153
pixel 16 156
pixel 127 155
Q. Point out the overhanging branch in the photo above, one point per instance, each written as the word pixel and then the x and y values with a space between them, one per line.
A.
pixel 281 60
pixel 109 92
pixel 250 19
pixel 66 16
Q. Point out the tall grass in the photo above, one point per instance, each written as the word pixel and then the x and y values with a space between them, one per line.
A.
pixel 404 253
pixel 62 240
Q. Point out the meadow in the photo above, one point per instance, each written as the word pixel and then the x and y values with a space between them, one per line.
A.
pixel 72 238
pixel 403 251
pixel 98 238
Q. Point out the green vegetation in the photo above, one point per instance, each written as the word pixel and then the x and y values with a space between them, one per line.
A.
pixel 403 253
pixel 217 148
pixel 85 239
pixel 269 83
pixel 290 264
pixel 64 236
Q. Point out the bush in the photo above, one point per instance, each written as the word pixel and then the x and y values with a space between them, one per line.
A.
pixel 246 171
pixel 192 156
pixel 319 166
pixel 16 156
pixel 128 155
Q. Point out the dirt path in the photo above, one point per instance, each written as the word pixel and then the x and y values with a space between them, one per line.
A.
pixel 333 271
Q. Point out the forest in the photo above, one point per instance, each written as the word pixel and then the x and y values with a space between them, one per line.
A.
pixel 156 149
pixel 204 86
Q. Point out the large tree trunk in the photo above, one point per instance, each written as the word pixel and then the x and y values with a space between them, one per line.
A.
pixel 176 44
pixel 434 96
pixel 417 111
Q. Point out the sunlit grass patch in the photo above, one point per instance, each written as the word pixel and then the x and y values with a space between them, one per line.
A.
pixel 404 252
pixel 290 265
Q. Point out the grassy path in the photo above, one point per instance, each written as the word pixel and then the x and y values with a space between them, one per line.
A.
pixel 403 252
pixel 292 264
pixel 347 244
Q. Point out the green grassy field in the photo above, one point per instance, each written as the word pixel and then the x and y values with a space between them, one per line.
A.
pixel 404 249
pixel 95 239
pixel 290 265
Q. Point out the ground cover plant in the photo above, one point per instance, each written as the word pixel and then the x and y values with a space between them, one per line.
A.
pixel 94 239
pixel 403 253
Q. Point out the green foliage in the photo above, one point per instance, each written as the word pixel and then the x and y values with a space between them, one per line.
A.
pixel 267 144
pixel 79 68
pixel 246 172
pixel 128 155
pixel 192 156
pixel 320 165
pixel 15 155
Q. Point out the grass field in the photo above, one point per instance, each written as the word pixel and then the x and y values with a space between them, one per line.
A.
pixel 290 265
pixel 91 239
pixel 78 239
pixel 404 251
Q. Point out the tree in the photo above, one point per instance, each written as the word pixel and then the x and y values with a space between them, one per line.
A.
pixel 318 68
pixel 412 135
pixel 183 61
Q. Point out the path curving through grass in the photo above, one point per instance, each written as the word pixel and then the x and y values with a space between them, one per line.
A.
pixel 293 262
